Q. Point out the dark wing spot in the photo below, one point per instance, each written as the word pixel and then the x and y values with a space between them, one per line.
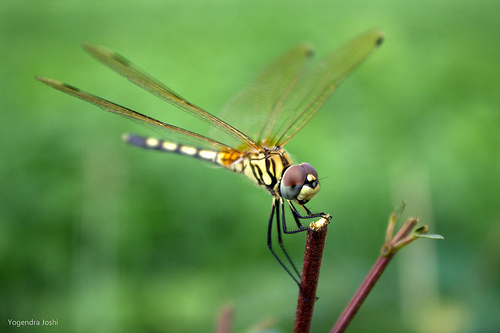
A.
pixel 379 41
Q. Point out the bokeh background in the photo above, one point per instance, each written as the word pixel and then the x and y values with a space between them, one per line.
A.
pixel 105 237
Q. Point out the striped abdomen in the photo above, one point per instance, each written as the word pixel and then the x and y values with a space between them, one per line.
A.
pixel 264 168
pixel 217 157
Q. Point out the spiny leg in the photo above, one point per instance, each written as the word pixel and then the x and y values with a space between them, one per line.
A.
pixel 297 216
pixel 280 240
pixel 270 245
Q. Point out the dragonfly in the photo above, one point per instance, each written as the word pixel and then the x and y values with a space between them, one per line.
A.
pixel 276 105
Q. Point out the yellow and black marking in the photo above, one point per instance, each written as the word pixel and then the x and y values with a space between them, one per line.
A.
pixel 266 168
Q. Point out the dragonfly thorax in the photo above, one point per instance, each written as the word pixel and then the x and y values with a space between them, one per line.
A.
pixel 264 167
pixel 272 169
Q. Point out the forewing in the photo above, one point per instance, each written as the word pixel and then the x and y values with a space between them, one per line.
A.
pixel 166 131
pixel 137 76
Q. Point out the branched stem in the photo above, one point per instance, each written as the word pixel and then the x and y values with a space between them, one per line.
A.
pixel 392 245
pixel 363 291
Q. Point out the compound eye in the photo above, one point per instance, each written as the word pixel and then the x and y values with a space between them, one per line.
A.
pixel 310 170
pixel 292 182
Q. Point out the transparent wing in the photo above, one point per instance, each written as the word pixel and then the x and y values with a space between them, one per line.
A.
pixel 125 68
pixel 258 106
pixel 168 131
pixel 287 93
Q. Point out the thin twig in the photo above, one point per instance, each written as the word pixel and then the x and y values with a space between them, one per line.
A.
pixel 315 243
pixel 387 253
pixel 363 291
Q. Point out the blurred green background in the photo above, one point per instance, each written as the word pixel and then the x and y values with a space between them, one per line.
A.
pixel 105 237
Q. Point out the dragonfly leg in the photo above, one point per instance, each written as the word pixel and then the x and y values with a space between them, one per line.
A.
pixel 274 210
pixel 280 240
pixel 297 217
pixel 309 215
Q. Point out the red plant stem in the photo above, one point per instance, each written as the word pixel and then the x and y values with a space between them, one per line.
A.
pixel 315 243
pixel 362 293
pixel 388 251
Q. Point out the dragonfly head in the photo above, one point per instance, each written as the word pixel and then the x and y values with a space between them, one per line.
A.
pixel 299 182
